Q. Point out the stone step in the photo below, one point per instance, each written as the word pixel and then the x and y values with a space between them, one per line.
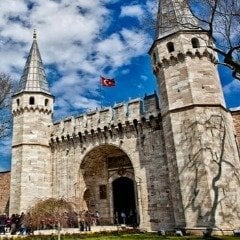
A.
pixel 70 230
pixel 76 230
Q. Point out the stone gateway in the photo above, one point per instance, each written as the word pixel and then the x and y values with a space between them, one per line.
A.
pixel 161 166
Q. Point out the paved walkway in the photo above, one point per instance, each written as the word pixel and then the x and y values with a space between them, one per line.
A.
pixel 76 230
pixel 70 231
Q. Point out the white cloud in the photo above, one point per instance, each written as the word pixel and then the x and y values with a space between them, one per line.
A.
pixel 132 11
pixel 125 71
pixel 70 38
pixel 144 78
pixel 232 87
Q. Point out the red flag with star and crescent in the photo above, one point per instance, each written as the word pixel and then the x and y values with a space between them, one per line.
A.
pixel 107 82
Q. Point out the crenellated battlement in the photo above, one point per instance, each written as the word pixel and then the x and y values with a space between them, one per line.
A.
pixel 100 120
pixel 179 57
pixel 28 108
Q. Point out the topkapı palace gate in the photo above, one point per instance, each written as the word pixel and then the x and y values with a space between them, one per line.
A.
pixel 167 165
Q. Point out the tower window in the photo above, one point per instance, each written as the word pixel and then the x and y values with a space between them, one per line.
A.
pixel 154 58
pixel 18 101
pixel 195 43
pixel 31 101
pixel 103 192
pixel 46 102
pixel 170 47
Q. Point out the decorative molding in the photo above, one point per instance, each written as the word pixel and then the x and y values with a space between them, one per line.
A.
pixel 31 108
pixel 176 58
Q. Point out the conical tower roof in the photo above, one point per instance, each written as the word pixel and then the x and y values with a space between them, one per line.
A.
pixel 173 16
pixel 34 78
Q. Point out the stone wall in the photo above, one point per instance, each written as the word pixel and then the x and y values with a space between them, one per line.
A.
pixel 186 76
pixel 205 166
pixel 99 120
pixel 4 191
pixel 236 121
pixel 201 148
pixel 80 149
pixel 31 169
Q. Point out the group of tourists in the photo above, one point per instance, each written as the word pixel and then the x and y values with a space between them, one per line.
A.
pixel 21 224
pixel 14 224
pixel 24 224
pixel 125 218
pixel 86 219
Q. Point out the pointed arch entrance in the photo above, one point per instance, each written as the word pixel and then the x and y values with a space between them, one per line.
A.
pixel 107 184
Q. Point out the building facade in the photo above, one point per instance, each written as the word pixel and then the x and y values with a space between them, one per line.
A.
pixel 167 165
pixel 5 191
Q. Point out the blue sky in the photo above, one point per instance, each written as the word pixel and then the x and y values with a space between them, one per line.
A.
pixel 80 40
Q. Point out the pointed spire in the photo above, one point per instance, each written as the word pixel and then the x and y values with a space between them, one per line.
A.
pixel 173 16
pixel 34 78
pixel 34 34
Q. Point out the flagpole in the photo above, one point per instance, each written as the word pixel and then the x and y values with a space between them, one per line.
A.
pixel 101 91
pixel 100 81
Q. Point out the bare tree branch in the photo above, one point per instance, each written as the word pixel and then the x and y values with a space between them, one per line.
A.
pixel 50 213
pixel 219 18
pixel 6 90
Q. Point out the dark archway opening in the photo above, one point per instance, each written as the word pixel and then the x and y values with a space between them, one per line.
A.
pixel 124 201
pixel 88 200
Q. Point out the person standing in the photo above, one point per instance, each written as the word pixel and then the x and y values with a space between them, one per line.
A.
pixel 87 219
pixel 81 221
pixel 97 217
pixel 3 223
pixel 123 216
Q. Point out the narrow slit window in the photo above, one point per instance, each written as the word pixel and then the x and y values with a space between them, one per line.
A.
pixel 46 102
pixel 154 58
pixel 31 101
pixel 103 192
pixel 170 47
pixel 195 43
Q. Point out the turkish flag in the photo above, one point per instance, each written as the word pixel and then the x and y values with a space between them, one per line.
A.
pixel 107 82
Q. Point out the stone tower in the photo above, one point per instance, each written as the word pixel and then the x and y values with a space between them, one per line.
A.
pixel 202 155
pixel 32 108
